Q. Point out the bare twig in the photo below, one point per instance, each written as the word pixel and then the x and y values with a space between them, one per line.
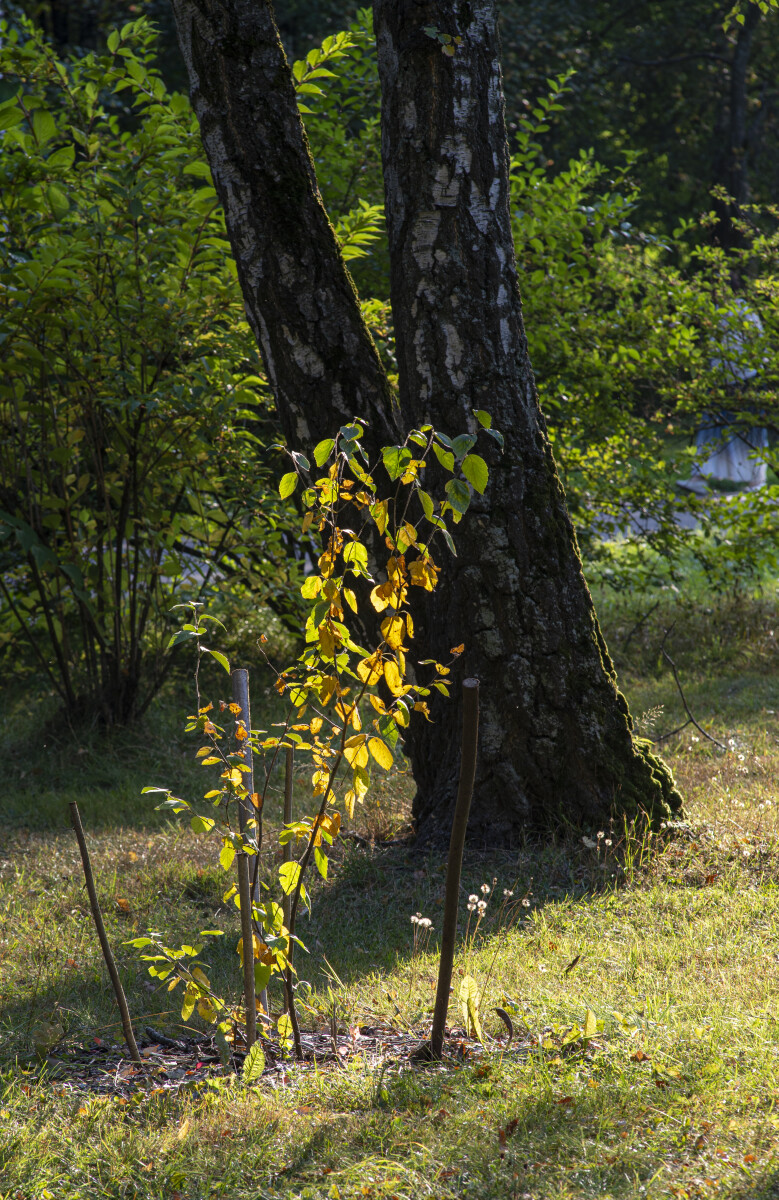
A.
pixel 690 718
pixel 97 916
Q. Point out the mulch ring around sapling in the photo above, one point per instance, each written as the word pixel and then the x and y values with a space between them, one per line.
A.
pixel 171 1065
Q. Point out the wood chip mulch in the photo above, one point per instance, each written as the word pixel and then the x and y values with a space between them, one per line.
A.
pixel 101 1068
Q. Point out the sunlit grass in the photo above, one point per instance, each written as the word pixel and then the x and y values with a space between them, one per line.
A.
pixel 675 941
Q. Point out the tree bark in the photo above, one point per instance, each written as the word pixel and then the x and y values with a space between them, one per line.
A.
pixel 556 737
pixel 556 741
pixel 300 301
pixel 732 167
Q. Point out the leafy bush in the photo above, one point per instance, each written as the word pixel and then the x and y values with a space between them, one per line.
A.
pixel 133 417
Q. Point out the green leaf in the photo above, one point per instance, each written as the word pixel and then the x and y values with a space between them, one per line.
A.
pixel 220 658
pixel 10 115
pixel 427 503
pixel 462 444
pixel 202 824
pixel 445 458
pixel 113 41
pixel 320 858
pixel 469 1005
pixel 226 857
pixel 356 555
pixel 288 484
pixel 590 1024
pixel 396 459
pixel 458 495
pixel 44 126
pixel 253 1065
pixel 323 450
pixel 262 974
pixel 484 418
pixel 289 873
pixel 475 470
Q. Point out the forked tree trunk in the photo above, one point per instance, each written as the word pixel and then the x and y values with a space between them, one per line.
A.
pixel 556 740
pixel 555 732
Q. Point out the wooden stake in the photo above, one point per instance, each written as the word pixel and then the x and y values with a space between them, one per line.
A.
pixel 97 916
pixel 455 861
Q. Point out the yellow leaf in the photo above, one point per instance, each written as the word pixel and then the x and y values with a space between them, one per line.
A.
pixel 458 650
pixel 379 514
pixel 199 974
pixel 424 573
pixel 183 1130
pixel 369 670
pixel 392 677
pixel 400 714
pixel 421 706
pixel 350 599
pixel 349 799
pixel 316 725
pixel 355 718
pixel 381 752
pixel 326 564
pixel 590 1024
pixel 326 642
pixel 381 595
pixel 327 689
pixel 307 521
pixel 378 704
pixel 409 625
pixel 355 751
pixel 393 630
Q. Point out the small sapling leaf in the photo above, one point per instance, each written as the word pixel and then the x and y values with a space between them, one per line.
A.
pixel 254 1065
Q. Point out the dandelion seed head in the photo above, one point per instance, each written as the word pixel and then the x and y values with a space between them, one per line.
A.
pixel 485 889
pixel 526 903
pixel 608 842
pixel 507 893
pixel 482 906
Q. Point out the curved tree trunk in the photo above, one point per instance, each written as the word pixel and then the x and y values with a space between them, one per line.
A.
pixel 300 301
pixel 556 740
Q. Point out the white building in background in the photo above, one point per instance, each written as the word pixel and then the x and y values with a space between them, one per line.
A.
pixel 729 452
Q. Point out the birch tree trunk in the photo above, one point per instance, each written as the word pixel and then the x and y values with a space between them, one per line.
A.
pixel 556 739
pixel 300 300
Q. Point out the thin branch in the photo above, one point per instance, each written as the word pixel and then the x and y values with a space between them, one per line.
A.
pixel 691 719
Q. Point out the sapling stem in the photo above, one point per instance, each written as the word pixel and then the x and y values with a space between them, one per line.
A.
pixel 455 861
pixel 240 682
pixel 247 935
pixel 287 848
pixel 97 916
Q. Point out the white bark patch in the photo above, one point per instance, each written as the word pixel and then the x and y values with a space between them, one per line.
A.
pixel 305 357
pixel 264 340
pixel 446 187
pixel 423 238
pixel 505 334
pixel 480 213
pixel 454 353
pixel 423 366
pixel 408 118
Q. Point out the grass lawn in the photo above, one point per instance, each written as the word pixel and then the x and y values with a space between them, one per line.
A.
pixel 675 937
